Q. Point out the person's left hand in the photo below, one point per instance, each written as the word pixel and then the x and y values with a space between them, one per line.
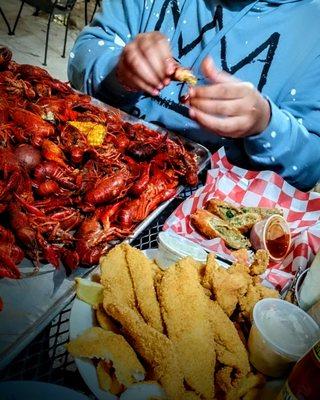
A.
pixel 228 107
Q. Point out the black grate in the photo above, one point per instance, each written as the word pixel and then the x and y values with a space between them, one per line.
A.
pixel 46 358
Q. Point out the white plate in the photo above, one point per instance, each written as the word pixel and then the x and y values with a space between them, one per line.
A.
pixel 27 390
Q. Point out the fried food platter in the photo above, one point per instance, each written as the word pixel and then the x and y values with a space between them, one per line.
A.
pixel 162 321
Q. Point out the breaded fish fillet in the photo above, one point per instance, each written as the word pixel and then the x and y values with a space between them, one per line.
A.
pixel 260 262
pixel 115 275
pixel 230 350
pixel 184 307
pixel 98 343
pixel 226 285
pixel 246 386
pixel 142 271
pixel 255 293
pixel 156 349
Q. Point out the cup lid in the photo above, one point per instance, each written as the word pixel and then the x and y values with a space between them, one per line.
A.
pixel 286 327
pixel 181 246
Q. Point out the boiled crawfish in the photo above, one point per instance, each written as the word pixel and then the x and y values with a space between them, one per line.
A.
pixel 160 187
pixel 96 232
pixel 10 255
pixel 99 184
pixel 35 126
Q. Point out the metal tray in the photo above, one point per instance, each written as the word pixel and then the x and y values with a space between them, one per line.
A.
pixel 31 303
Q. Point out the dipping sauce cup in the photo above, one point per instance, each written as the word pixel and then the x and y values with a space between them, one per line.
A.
pixel 280 335
pixel 272 234
pixel 173 247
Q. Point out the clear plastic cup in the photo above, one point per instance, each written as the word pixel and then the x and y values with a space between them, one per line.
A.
pixel 280 335
pixel 173 247
pixel 268 232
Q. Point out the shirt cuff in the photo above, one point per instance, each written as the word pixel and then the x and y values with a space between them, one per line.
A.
pixel 279 124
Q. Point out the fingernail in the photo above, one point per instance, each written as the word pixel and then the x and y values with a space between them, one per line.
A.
pixel 155 92
pixel 192 113
pixel 191 92
pixel 166 81
pixel 185 99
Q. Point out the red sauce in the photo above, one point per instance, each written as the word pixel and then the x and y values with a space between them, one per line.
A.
pixel 278 247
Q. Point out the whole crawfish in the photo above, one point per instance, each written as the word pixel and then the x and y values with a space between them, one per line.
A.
pixel 96 232
pixel 161 187
pixel 144 142
pixel 35 126
pixel 74 143
pixel 10 176
pixel 57 109
pixel 173 155
pixel 39 76
pixel 50 170
pixel 112 186
pixel 17 90
pixel 29 234
pixel 10 255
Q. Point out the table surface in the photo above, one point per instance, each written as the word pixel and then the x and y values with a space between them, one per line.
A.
pixel 46 359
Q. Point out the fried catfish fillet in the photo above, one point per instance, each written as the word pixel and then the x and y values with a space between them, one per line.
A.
pixel 226 285
pixel 255 292
pixel 247 387
pixel 115 275
pixel 154 347
pixel 98 343
pixel 230 350
pixel 184 307
pixel 142 272
pixel 260 262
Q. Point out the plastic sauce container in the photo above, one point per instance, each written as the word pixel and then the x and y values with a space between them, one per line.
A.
pixel 310 286
pixel 173 247
pixel 280 335
pixel 272 234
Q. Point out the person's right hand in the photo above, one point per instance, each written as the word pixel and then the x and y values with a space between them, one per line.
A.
pixel 146 63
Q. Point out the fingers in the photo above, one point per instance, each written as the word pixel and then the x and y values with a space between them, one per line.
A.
pixel 210 71
pixel 219 107
pixel 220 91
pixel 132 81
pixel 146 63
pixel 156 52
pixel 227 127
pixel 135 63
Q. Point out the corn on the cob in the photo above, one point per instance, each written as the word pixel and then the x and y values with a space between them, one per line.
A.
pixel 95 133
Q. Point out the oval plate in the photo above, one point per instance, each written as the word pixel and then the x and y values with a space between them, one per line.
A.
pixel 22 390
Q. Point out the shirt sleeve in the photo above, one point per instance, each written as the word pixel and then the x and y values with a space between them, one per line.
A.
pixel 290 145
pixel 96 52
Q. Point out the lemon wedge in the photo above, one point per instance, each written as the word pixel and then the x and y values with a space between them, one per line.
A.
pixel 89 292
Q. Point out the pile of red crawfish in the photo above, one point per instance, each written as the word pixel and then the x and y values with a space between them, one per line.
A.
pixel 63 200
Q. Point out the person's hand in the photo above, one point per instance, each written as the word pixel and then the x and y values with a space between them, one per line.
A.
pixel 228 107
pixel 146 63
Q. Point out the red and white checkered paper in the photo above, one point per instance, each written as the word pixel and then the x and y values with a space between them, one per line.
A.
pixel 257 189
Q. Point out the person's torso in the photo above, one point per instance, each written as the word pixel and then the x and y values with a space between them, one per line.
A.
pixel 261 42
